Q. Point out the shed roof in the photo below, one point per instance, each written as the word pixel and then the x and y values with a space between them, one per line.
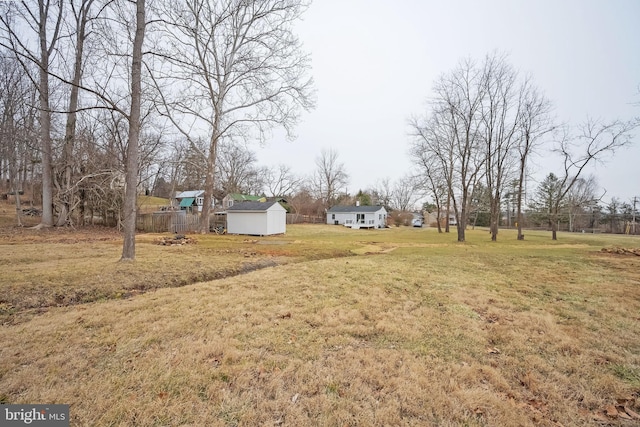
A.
pixel 354 209
pixel 252 206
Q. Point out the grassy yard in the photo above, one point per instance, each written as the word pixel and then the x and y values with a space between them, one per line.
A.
pixel 324 326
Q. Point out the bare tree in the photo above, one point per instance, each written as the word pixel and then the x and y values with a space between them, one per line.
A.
pixel 238 69
pixel 451 133
pixel 280 181
pixel 329 178
pixel 583 195
pixel 500 110
pixel 534 121
pixel 403 193
pixel 382 193
pixel 592 142
pixel 431 179
pixel 44 19
pixel 236 170
pixel 17 126
pixel 131 189
pixel 81 15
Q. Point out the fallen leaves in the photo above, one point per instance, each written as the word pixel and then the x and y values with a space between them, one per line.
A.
pixel 620 410
pixel 493 350
pixel 621 251
pixel 177 240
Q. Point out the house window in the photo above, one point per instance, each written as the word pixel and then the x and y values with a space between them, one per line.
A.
pixel 229 203
pixel 199 201
pixel 333 216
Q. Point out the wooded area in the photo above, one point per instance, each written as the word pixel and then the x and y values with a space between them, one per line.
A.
pixel 102 101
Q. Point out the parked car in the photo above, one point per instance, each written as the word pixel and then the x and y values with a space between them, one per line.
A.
pixel 417 222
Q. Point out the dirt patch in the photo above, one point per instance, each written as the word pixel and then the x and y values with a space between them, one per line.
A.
pixel 68 235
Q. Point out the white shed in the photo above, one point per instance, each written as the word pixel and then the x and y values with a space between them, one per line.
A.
pixel 257 218
pixel 358 216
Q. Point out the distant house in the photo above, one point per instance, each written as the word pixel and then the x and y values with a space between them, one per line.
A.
pixel 256 218
pixel 192 200
pixel 358 216
pixel 232 198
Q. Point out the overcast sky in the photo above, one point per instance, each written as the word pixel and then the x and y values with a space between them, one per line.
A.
pixel 375 62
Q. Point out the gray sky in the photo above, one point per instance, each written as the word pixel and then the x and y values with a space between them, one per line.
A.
pixel 375 61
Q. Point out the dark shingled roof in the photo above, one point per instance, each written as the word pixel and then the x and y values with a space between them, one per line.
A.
pixel 251 206
pixel 358 209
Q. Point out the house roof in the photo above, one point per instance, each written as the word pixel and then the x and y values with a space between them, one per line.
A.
pixel 252 206
pixel 190 193
pixel 243 197
pixel 354 209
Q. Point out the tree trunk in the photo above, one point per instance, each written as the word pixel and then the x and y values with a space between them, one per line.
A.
pixel 553 222
pixel 14 188
pixel 495 217
pixel 45 122
pixel 461 235
pixel 461 218
pixel 129 209
pixel 519 215
pixel 438 214
pixel 67 194
pixel 446 224
pixel 210 174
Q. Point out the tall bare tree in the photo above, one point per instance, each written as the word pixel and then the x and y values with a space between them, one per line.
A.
pixel 431 179
pixel 81 13
pixel 500 110
pixel 131 189
pixel 238 70
pixel 534 121
pixel 43 18
pixel 454 138
pixel 329 178
pixel 17 126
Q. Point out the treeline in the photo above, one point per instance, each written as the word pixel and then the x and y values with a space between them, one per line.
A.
pixel 481 128
pixel 103 98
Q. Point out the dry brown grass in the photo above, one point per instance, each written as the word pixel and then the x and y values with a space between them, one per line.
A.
pixel 59 267
pixel 415 330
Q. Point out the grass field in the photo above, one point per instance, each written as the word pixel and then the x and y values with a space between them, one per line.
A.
pixel 324 326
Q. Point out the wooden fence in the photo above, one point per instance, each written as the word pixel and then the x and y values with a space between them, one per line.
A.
pixel 183 222
pixel 172 222
pixel 176 222
pixel 304 219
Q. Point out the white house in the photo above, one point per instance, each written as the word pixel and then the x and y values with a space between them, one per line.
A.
pixel 358 216
pixel 256 218
pixel 191 200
